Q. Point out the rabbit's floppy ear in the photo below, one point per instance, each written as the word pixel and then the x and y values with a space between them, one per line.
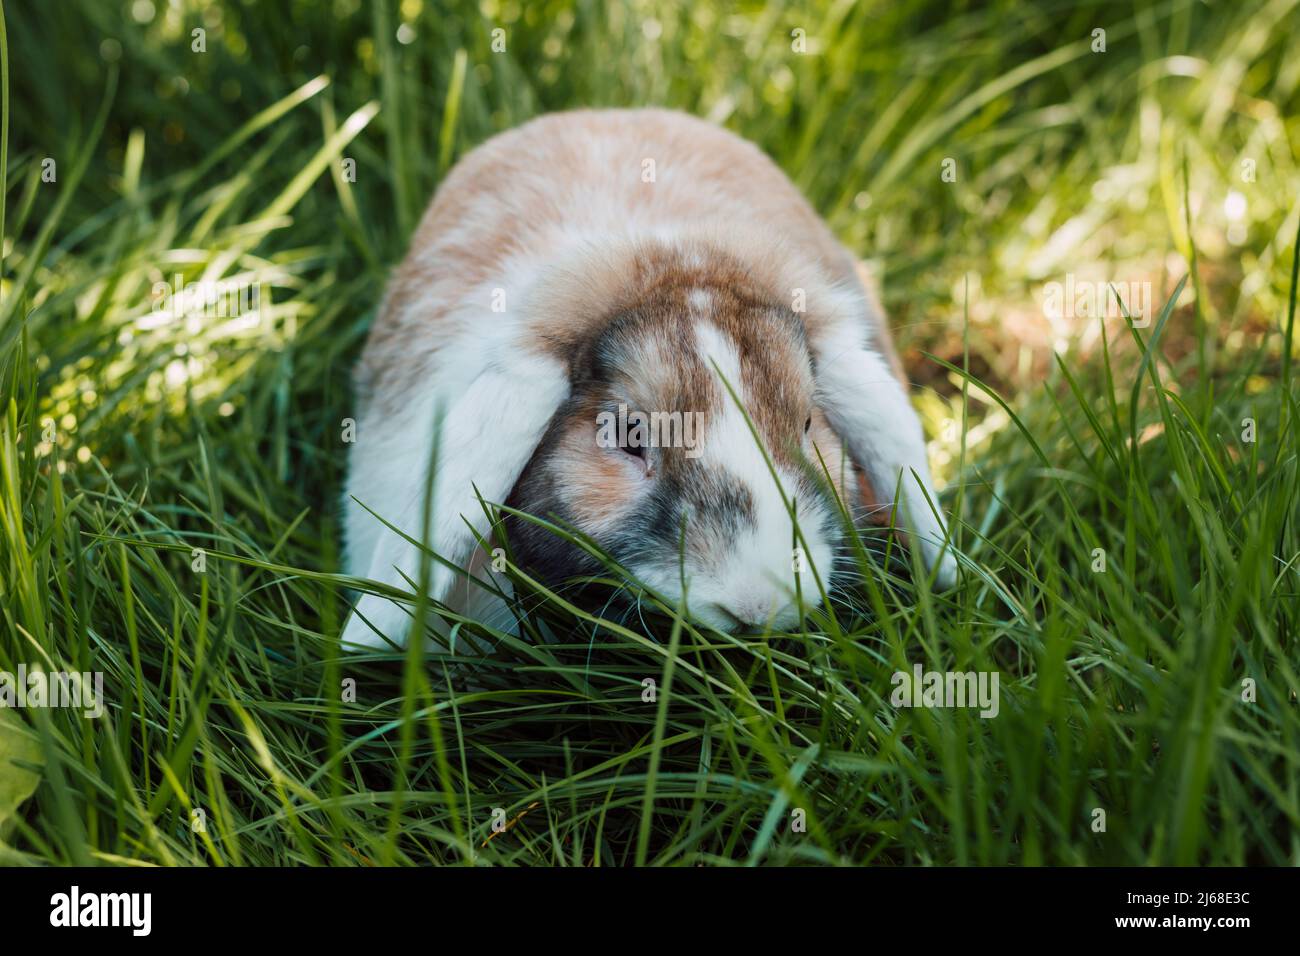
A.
pixel 485 403
pixel 868 406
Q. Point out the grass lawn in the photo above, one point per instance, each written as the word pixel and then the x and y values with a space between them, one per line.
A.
pixel 1125 495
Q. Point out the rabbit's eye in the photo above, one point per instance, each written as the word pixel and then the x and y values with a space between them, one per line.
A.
pixel 807 425
pixel 637 452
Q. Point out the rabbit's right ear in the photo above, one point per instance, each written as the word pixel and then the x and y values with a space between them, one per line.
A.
pixel 486 403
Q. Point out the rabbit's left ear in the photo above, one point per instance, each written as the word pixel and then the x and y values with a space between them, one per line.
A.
pixel 492 398
pixel 868 407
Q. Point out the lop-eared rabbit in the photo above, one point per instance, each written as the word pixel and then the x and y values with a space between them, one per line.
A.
pixel 629 265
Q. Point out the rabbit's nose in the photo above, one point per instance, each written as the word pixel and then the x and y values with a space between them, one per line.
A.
pixel 752 609
pixel 728 617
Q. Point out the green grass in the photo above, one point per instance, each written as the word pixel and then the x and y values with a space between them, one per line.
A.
pixel 1122 690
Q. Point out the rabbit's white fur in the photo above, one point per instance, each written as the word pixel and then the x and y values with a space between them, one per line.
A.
pixel 543 223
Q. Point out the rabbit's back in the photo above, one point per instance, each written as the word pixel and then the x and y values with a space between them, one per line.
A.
pixel 526 196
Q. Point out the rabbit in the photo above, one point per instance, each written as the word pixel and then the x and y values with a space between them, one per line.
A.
pixel 601 264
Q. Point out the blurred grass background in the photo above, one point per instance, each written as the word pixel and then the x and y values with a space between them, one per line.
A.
pixel 128 442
